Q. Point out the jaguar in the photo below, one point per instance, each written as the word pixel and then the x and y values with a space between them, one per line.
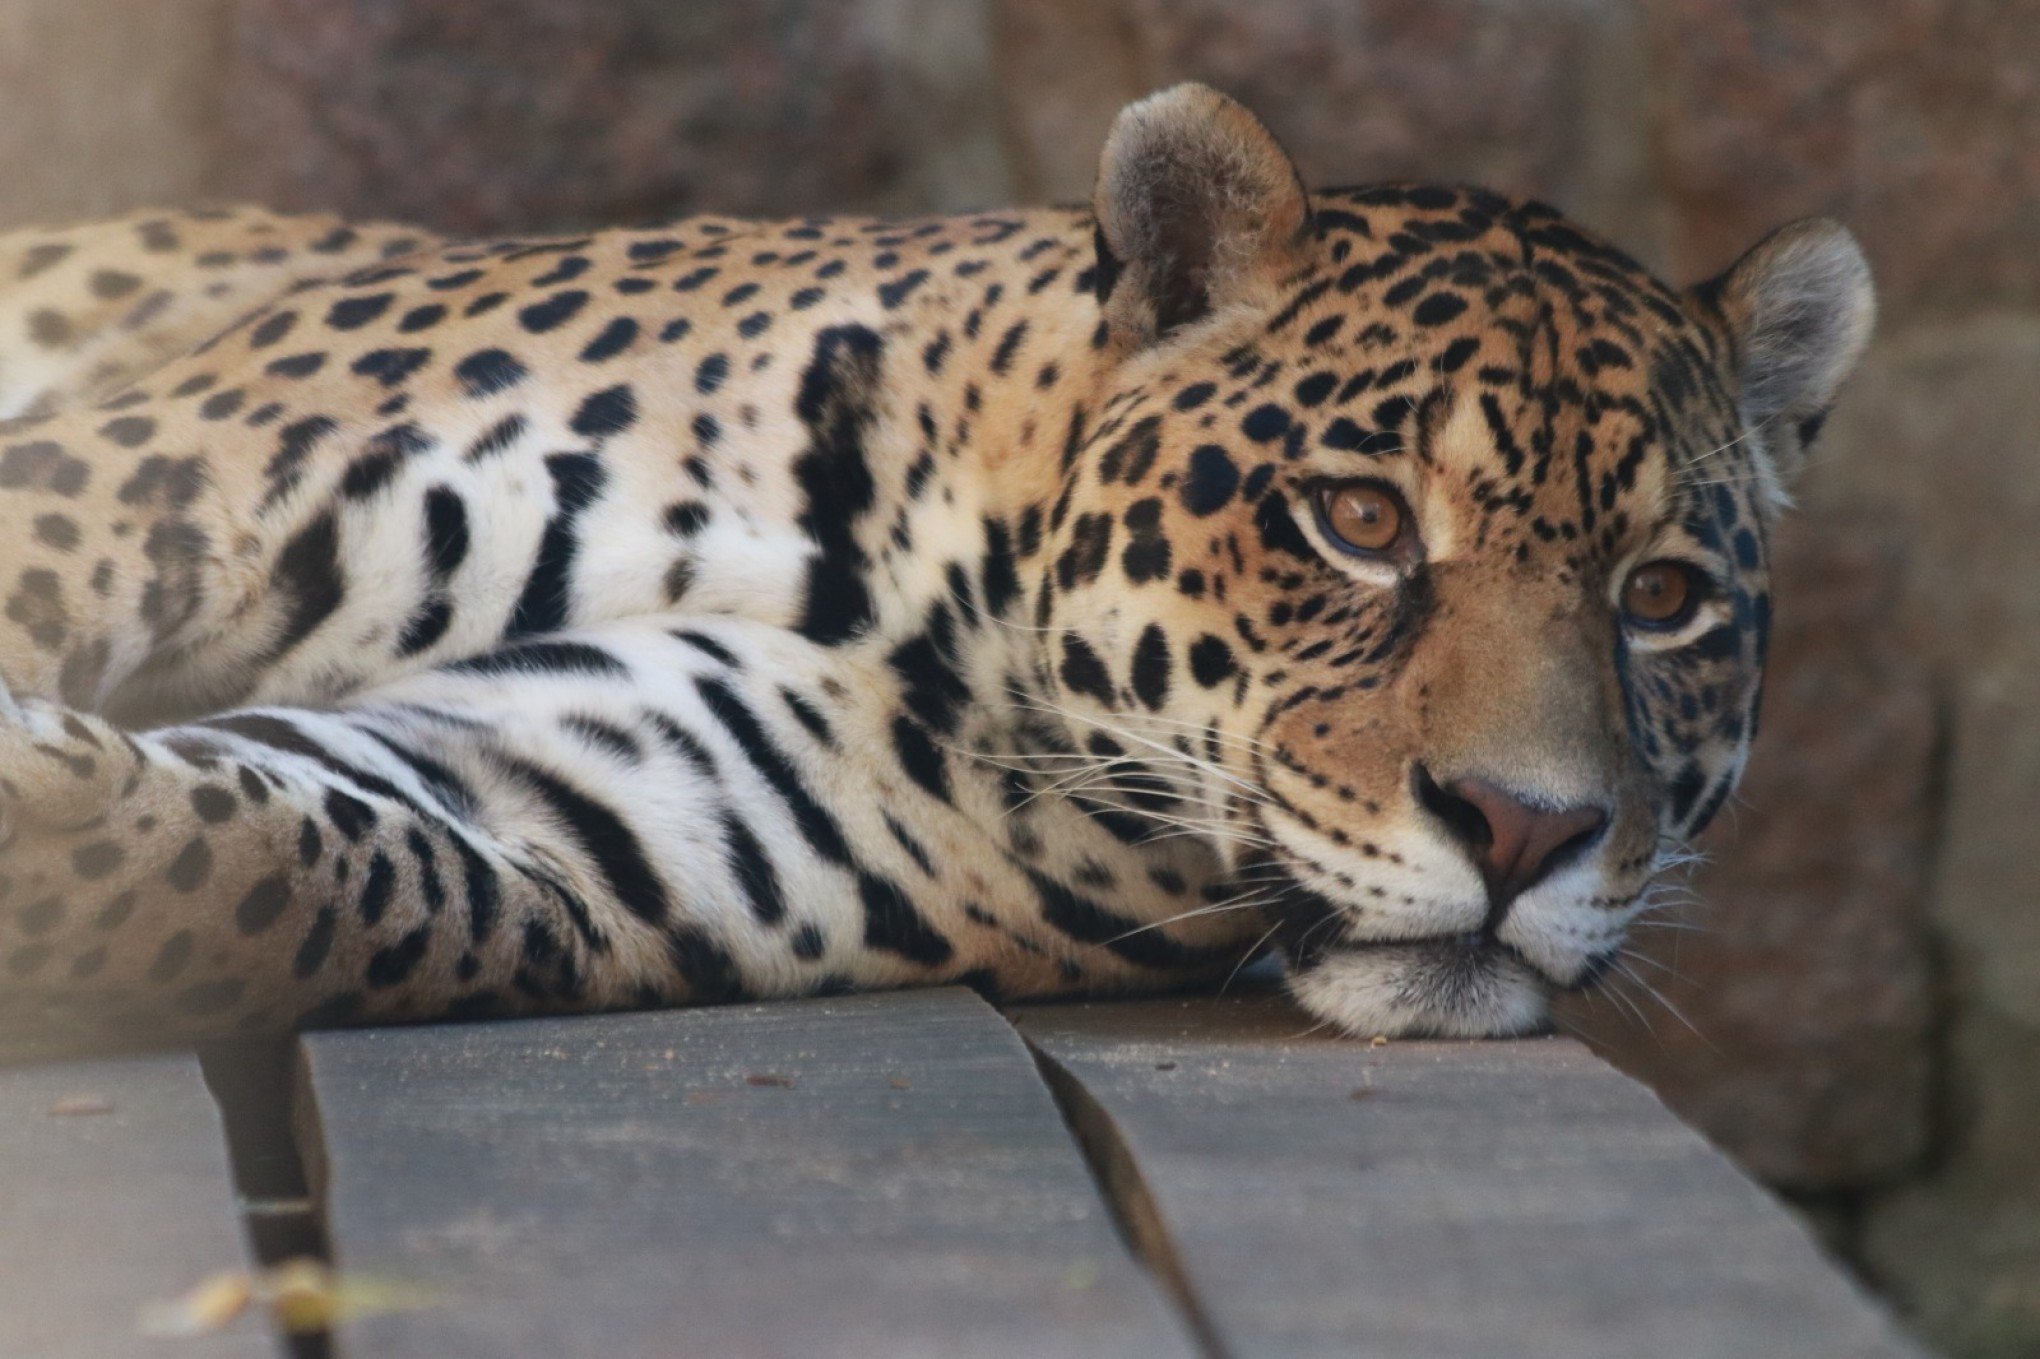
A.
pixel 1075 600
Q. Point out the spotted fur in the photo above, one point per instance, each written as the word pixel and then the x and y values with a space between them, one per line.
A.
pixel 402 628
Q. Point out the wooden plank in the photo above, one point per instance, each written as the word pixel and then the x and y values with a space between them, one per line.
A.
pixel 1321 1196
pixel 115 1193
pixel 873 1176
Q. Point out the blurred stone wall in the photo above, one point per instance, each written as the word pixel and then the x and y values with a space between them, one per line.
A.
pixel 1855 1011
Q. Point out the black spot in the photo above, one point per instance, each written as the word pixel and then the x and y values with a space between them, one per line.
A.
pixel 542 657
pixel 1346 436
pixel 1265 423
pixel 1132 455
pixel 610 411
pixel 213 803
pixel 42 257
pixel 1090 544
pixel 109 285
pixel 616 337
pixel 606 839
pixel 263 904
pixel 272 329
pixel 808 943
pixel 544 605
pixel 1438 308
pixel 555 311
pixel 819 828
pixel 57 530
pixel 1211 661
pixel 390 966
pixel 297 365
pixel 1211 481
pixel 489 371
pixel 377 884
pixel 41 916
pixel 421 318
pixel 307 577
pixel 130 431
pixel 379 463
pixel 1278 529
pixel 835 404
pixel 349 814
pixel 920 757
pixel 1151 667
pixel 1457 353
pixel 484 891
pixel 292 447
pixel 317 945
pixel 391 367
pixel 97 859
pixel 222 405
pixel 686 518
pixel 711 372
pixel 1148 555
pixel 1009 345
pixel 446 532
pixel 926 663
pixel 754 871
pixel 43 466
pixel 173 957
pixel 192 866
pixel 164 483
pixel 1083 672
pixel 352 313
pixel 498 437
pixel 894 925
pixel 707 969
pixel 890 295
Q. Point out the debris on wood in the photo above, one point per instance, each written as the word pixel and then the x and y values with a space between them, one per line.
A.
pixel 304 1296
pixel 203 1310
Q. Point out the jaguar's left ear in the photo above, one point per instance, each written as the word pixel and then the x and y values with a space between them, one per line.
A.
pixel 1800 307
pixel 1198 209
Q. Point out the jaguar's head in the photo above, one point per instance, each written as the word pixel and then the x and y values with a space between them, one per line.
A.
pixel 1420 554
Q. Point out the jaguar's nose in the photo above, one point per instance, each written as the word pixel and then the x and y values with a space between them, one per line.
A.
pixel 1513 842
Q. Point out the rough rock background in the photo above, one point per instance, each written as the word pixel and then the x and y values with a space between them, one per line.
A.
pixel 1856 1010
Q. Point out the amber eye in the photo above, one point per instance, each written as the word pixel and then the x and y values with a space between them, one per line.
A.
pixel 1363 517
pixel 1662 595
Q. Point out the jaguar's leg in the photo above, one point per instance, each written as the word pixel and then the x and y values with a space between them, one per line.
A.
pixel 599 820
pixel 131 483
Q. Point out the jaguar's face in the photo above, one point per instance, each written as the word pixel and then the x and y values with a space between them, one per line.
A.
pixel 1430 580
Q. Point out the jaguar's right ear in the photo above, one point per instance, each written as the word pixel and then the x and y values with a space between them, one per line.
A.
pixel 1198 209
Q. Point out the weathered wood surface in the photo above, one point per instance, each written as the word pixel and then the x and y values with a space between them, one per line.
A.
pixel 115 1193
pixel 875 1176
pixel 1435 1200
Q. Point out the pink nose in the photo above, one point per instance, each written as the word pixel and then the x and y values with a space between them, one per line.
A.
pixel 1512 842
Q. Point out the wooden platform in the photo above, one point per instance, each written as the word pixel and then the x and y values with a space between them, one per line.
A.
pixel 912 1174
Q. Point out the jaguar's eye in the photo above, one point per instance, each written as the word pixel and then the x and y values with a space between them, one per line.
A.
pixel 1660 596
pixel 1365 518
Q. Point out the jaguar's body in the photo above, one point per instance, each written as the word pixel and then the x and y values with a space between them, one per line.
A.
pixel 403 628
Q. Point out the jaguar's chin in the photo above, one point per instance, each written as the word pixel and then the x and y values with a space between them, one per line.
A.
pixel 1458 987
